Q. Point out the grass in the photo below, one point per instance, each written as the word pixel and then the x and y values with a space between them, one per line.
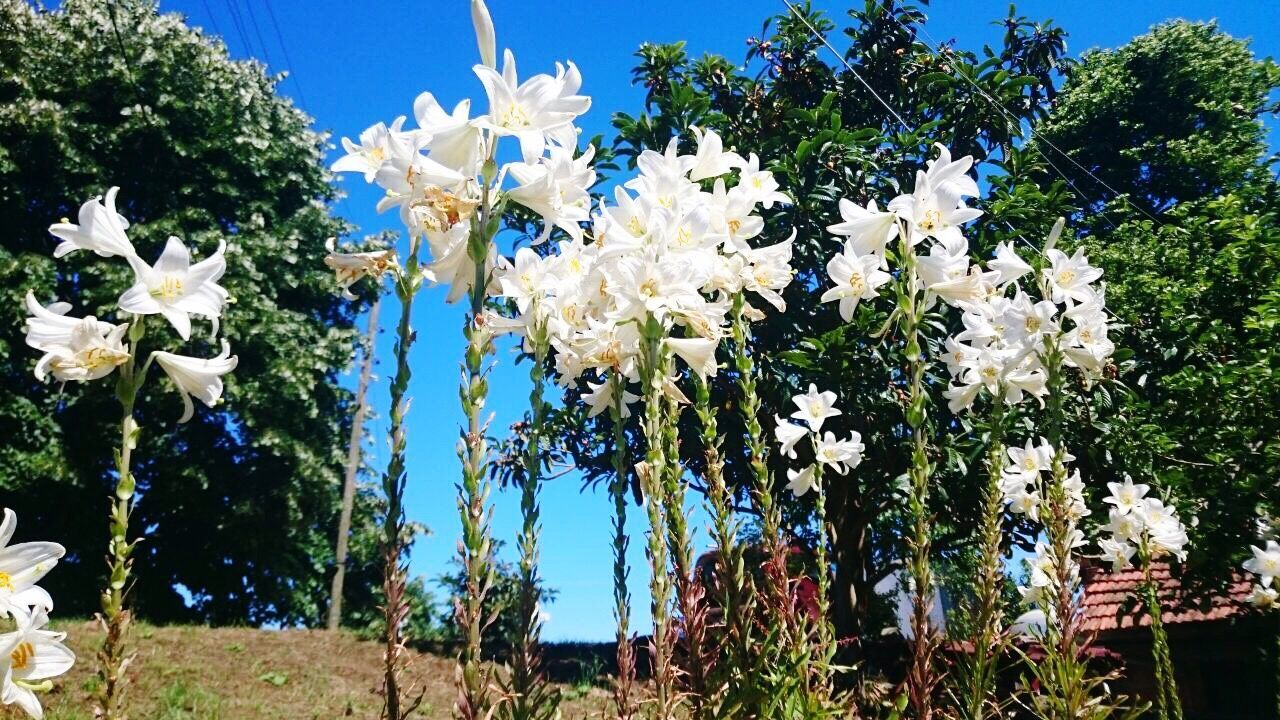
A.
pixel 200 673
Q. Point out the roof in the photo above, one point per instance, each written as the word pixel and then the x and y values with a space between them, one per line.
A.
pixel 1111 600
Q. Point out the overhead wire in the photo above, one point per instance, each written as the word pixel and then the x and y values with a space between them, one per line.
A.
pixel 288 62
pixel 844 61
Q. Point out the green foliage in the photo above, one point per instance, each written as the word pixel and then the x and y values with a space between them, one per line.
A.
pixel 826 136
pixel 1174 119
pixel 238 505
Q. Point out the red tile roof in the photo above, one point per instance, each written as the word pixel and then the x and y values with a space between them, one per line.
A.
pixel 1111 599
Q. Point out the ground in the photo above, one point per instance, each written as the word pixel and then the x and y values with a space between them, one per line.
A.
pixel 199 673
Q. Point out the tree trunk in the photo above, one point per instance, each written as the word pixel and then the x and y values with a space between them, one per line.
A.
pixel 353 467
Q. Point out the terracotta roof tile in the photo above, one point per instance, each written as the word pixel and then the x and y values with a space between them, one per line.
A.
pixel 1110 600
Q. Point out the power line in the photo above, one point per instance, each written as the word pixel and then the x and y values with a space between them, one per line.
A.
pixel 212 19
pixel 840 56
pixel 239 25
pixel 849 67
pixel 1031 128
pixel 288 62
pixel 253 22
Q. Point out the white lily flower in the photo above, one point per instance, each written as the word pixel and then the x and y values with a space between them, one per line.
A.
pixel 869 230
pixel 29 657
pixel 557 187
pixel 21 567
pixel 531 109
pixel 788 434
pixel 1263 597
pixel 454 141
pixel 760 185
pixel 1117 552
pixel 1265 563
pixel 75 349
pixel 711 159
pixel 101 229
pixel 856 277
pixel 1070 277
pixel 600 398
pixel 802 481
pixel 373 150
pixel 200 377
pixel 698 352
pixel 1126 496
pixel 1008 264
pixel 815 407
pixel 176 289
pixel 351 267
pixel 840 455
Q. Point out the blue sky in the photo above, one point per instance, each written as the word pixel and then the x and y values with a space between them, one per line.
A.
pixel 354 64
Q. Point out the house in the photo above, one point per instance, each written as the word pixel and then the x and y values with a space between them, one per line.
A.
pixel 1224 654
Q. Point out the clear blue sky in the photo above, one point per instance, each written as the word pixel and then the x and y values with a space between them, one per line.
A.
pixel 354 64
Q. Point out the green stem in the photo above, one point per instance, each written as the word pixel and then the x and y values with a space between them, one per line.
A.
pixel 1169 705
pixel 733 583
pixel 621 595
pixel 1071 685
pixel 476 548
pixel 979 693
pixel 921 676
pixel 395 573
pixel 757 450
pixel 532 697
pixel 653 373
pixel 826 631
pixel 115 617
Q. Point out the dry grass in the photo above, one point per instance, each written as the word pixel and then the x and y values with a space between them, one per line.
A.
pixel 190 673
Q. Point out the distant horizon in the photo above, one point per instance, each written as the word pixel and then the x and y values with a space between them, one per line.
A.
pixel 351 68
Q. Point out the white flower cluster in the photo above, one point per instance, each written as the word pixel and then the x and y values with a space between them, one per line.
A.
pixel 30 656
pixel 934 211
pixel 667 256
pixel 1023 484
pixel 812 410
pixel 1004 337
pixel 84 349
pixel 439 174
pixel 1138 521
pixel 1265 563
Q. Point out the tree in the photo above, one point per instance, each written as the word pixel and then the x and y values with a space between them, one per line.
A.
pixel 1191 250
pixel 239 505
pixel 826 136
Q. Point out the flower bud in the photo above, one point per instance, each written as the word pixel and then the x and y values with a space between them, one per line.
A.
pixel 484 33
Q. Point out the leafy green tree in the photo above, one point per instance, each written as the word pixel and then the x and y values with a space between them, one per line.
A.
pixel 238 505
pixel 824 133
pixel 1174 121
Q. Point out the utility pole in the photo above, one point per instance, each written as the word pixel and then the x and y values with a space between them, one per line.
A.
pixel 353 467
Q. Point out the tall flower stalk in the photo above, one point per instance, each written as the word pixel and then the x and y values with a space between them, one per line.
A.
pixel 86 349
pixel 977 674
pixel 115 617
pixel 1146 527
pixel 839 456
pixel 931 215
pixel 921 675
pixel 532 698
pixel 475 549
pixel 444 179
pixel 624 683
pixel 653 372
pixel 732 584
pixel 395 567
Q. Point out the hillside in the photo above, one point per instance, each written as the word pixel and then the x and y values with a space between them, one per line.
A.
pixel 190 673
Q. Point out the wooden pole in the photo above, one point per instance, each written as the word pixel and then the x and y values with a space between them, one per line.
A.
pixel 353 467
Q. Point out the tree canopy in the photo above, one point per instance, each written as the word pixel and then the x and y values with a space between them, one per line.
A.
pixel 239 505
